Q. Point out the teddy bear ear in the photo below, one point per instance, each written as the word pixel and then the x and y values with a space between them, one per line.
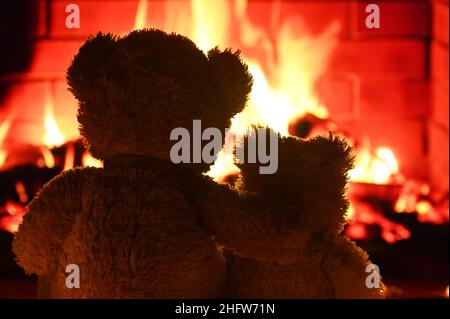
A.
pixel 334 151
pixel 231 78
pixel 82 74
pixel 246 146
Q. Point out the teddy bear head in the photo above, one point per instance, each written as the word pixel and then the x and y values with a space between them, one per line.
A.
pixel 311 179
pixel 134 90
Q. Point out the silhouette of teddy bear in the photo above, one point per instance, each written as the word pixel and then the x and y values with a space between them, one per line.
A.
pixel 308 189
pixel 131 227
pixel 281 233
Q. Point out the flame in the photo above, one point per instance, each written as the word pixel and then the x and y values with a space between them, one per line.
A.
pixel 69 160
pixel 3 155
pixel 295 62
pixel 89 161
pixel 210 22
pixel 378 168
pixel 4 128
pixel 53 136
pixel 283 91
pixel 47 159
pixel 140 20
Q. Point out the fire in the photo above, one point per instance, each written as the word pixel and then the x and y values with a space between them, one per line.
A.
pixel 283 91
pixel 377 168
pixel 285 73
pixel 47 159
pixel 414 198
pixel 141 15
pixel 69 160
pixel 4 128
pixel 210 23
pixel 21 192
pixel 295 62
pixel 88 161
pixel 362 214
pixel 53 136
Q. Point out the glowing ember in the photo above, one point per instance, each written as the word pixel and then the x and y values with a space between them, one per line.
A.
pixel 21 192
pixel 12 221
pixel 363 214
pixel 356 231
pixel 413 199
pixel 53 136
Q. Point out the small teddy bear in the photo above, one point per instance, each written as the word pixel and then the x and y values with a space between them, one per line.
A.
pixel 130 227
pixel 282 235
pixel 311 183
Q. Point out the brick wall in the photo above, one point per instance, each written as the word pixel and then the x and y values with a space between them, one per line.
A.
pixel 377 84
pixel 438 128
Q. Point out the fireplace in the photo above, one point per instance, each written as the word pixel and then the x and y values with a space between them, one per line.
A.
pixel 385 90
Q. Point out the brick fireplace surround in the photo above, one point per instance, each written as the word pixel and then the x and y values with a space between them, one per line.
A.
pixel 390 84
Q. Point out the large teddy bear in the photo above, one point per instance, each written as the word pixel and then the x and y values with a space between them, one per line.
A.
pixel 131 227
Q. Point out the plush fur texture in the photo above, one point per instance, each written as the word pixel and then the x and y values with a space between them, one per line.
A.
pixel 132 232
pixel 283 234
pixel 310 185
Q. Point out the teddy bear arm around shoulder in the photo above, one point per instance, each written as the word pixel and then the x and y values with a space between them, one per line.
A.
pixel 245 225
pixel 266 216
pixel 49 219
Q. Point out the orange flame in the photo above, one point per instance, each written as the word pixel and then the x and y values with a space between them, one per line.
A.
pixel 378 168
pixel 69 160
pixel 47 159
pixel 302 59
pixel 140 20
pixel 53 136
pixel 4 128
pixel 89 161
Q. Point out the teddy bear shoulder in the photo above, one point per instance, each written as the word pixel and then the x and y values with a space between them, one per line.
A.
pixel 351 272
pixel 52 211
